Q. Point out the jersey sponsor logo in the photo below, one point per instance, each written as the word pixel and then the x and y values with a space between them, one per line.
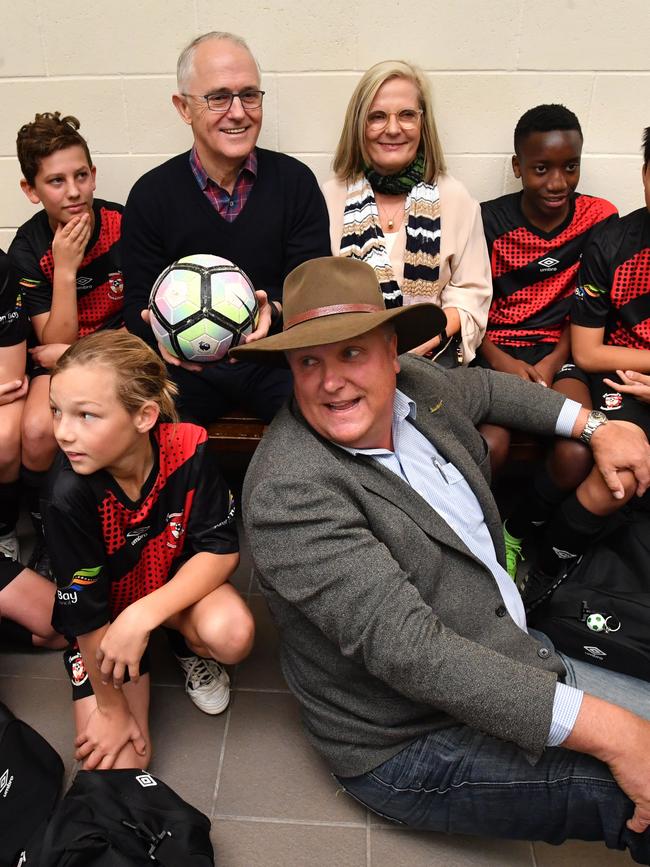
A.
pixel 137 534
pixel 146 780
pixel 594 652
pixel 81 580
pixel 230 517
pixel 12 316
pixel 175 528
pixel 548 264
pixel 612 401
pixel 115 285
pixel 78 671
pixel 23 859
pixel 592 291
pixel 6 780
pixel 26 283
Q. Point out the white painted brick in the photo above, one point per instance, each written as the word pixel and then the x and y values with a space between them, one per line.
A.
pixel 117 174
pixel 465 34
pixel 287 35
pixel 86 38
pixel 320 164
pixel 615 178
pixel 482 175
pixel 620 111
pixel 21 50
pixel 153 123
pixel 97 103
pixel 15 208
pixel 6 237
pixel 585 34
pixel 478 113
pixel 311 110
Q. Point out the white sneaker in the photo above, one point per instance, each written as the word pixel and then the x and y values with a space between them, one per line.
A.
pixel 206 682
pixel 9 546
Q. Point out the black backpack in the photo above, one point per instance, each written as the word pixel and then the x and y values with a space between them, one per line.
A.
pixel 601 612
pixel 31 773
pixel 124 818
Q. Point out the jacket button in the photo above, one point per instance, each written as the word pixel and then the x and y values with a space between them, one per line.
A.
pixel 543 653
pixel 500 611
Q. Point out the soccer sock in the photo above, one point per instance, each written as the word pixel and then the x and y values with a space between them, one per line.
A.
pixel 177 643
pixel 34 481
pixel 568 534
pixel 541 500
pixel 9 506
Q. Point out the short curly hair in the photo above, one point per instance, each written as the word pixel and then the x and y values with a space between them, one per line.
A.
pixel 545 118
pixel 646 146
pixel 45 135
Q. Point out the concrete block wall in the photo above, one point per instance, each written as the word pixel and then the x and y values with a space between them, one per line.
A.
pixel 112 65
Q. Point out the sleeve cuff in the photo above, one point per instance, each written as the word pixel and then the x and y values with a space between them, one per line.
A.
pixel 567 417
pixel 566 705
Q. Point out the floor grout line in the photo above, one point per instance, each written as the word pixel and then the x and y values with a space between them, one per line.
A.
pixel 222 755
pixel 320 823
pixel 368 840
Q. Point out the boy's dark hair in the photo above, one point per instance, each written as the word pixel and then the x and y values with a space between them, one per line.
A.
pixel 646 147
pixel 545 118
pixel 45 135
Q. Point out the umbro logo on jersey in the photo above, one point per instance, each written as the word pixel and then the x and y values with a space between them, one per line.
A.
pixel 5 783
pixel 137 535
pixel 82 282
pixel 146 780
pixel 548 264
pixel 594 652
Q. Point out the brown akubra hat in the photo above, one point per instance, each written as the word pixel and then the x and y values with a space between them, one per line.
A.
pixel 330 299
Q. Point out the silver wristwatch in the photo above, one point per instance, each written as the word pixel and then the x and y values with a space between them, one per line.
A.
pixel 594 420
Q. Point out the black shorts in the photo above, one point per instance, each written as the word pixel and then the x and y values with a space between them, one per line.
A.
pixel 79 680
pixel 615 404
pixel 13 326
pixel 8 571
pixel 530 354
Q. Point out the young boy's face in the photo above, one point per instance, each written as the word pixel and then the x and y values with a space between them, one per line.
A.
pixel 548 164
pixel 64 185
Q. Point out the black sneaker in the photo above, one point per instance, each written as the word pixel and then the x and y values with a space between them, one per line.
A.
pixel 40 560
pixel 538 586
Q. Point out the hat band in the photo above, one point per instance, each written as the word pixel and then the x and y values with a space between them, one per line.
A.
pixel 318 312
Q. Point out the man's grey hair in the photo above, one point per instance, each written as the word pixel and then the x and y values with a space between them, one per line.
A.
pixel 184 67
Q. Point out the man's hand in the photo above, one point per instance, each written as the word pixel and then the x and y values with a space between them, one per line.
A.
pixel 69 244
pixel 13 390
pixel 48 354
pixel 636 384
pixel 107 732
pixel 547 368
pixel 167 356
pixel 621 445
pixel 264 320
pixel 122 646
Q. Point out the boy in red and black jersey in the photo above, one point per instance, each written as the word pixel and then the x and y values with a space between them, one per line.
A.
pixel 535 240
pixel 610 313
pixel 68 268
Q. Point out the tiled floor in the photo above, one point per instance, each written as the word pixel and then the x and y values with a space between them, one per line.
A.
pixel 271 800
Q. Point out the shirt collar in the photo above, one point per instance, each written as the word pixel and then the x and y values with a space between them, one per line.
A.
pixel 202 177
pixel 403 408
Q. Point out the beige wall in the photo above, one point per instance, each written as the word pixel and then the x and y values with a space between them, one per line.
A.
pixel 112 64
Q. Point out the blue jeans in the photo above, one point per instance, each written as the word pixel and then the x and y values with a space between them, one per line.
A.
pixel 460 781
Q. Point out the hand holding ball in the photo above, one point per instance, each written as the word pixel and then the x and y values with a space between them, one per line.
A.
pixel 201 306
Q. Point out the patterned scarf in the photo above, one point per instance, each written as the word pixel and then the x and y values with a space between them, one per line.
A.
pixel 363 238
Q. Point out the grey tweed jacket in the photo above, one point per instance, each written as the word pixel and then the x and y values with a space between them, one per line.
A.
pixel 390 627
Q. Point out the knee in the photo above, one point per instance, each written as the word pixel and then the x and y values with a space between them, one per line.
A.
pixel 38 441
pixel 498 443
pixel 570 464
pixel 50 641
pixel 230 638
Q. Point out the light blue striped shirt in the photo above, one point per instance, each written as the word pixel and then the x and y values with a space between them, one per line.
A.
pixel 421 466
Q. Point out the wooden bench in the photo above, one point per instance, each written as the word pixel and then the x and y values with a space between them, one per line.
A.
pixel 239 431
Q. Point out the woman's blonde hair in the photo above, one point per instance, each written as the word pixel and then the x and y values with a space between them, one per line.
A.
pixel 140 374
pixel 351 156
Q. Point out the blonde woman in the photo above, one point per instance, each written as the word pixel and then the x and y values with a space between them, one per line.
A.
pixel 392 204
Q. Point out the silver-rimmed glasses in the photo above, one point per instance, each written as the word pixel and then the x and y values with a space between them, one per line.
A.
pixel 250 99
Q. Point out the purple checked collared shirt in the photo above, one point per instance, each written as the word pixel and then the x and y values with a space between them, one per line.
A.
pixel 227 205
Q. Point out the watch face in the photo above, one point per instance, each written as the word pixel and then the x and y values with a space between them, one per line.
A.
pixel 596 415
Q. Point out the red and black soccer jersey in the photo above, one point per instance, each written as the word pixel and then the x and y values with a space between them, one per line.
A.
pixel 108 551
pixel 100 285
pixel 534 272
pixel 13 322
pixel 613 290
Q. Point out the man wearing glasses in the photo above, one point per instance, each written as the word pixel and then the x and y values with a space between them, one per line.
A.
pixel 260 209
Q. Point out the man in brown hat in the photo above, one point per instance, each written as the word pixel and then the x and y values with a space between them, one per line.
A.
pixel 378 545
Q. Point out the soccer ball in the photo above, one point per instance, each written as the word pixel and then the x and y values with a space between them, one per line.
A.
pixel 201 306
